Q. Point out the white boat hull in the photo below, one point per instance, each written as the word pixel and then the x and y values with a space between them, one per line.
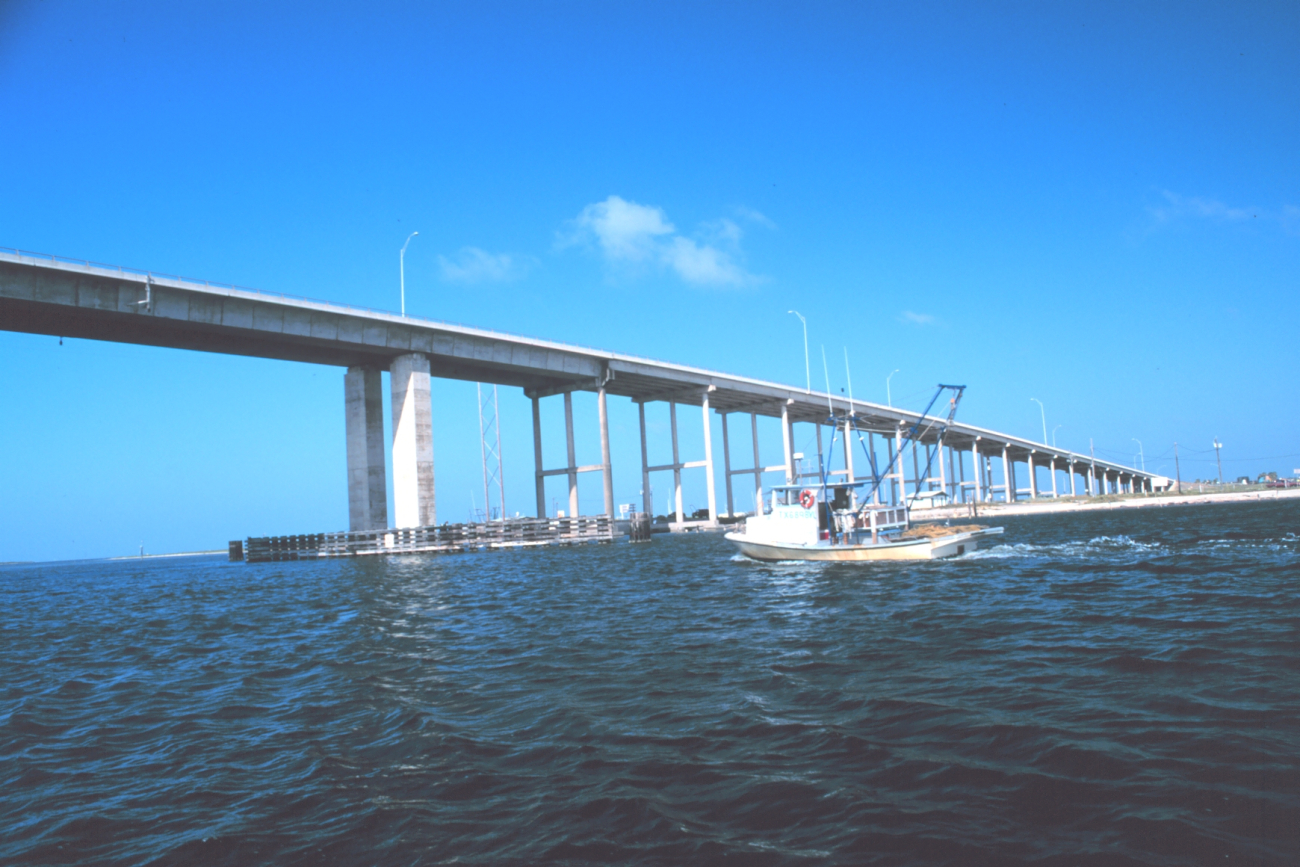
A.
pixel 907 549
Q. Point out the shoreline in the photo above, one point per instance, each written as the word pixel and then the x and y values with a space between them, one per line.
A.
pixel 1050 506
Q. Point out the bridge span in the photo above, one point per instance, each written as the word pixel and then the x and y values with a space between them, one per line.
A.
pixel 70 298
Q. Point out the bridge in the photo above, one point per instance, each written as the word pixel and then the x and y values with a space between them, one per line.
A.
pixel 50 295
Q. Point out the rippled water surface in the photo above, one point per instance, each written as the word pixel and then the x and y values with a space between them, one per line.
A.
pixel 1100 689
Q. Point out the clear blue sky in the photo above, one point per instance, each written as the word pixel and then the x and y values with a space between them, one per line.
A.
pixel 1097 205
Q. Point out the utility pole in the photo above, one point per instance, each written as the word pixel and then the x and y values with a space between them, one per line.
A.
pixel 1178 472
pixel 1218 458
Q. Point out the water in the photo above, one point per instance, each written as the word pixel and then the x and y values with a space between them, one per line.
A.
pixel 1101 689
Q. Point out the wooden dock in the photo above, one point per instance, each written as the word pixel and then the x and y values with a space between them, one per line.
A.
pixel 440 539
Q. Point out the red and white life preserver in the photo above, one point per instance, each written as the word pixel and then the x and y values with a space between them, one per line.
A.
pixel 807 498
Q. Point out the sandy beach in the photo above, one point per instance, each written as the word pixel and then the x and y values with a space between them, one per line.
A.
pixel 1048 505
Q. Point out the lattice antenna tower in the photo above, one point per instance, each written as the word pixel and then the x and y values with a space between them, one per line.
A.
pixel 494 485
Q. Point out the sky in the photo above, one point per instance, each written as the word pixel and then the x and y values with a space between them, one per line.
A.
pixel 1095 205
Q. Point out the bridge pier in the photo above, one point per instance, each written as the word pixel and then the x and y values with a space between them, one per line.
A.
pixel 364 422
pixel 414 503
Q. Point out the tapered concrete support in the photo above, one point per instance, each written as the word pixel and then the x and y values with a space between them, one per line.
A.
pixel 1053 477
pixel 786 436
pixel 1033 478
pixel 540 480
pixel 952 477
pixel 726 464
pixel 961 472
pixel 677 463
pixel 647 502
pixel 902 465
pixel 1073 491
pixel 708 464
pixel 1008 477
pixel 943 472
pixel 758 466
pixel 605 463
pixel 573 463
pixel 367 484
pixel 413 497
pixel 875 482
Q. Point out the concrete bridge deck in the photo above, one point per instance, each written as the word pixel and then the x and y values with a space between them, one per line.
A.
pixel 61 297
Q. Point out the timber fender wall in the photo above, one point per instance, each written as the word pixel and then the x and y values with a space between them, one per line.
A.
pixel 438 539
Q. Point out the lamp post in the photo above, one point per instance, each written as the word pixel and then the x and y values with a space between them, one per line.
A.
pixel 1218 445
pixel 807 377
pixel 889 397
pixel 1043 413
pixel 1141 456
pixel 401 263
pixel 1054 430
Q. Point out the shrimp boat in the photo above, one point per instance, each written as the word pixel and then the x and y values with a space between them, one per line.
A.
pixel 838 521
pixel 821 522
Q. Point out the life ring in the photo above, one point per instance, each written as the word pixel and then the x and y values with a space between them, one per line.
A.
pixel 807 498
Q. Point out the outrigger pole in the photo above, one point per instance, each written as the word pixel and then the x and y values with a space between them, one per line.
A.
pixel 914 434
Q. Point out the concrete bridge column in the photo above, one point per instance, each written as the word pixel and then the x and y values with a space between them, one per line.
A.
pixel 726 464
pixel 1070 468
pixel 1008 476
pixel 960 479
pixel 786 436
pixel 677 462
pixel 977 472
pixel 573 461
pixel 1054 494
pixel 606 466
pixel 364 415
pixel 758 467
pixel 1033 478
pixel 646 502
pixel 848 451
pixel 899 445
pixel 709 484
pixel 414 504
pixel 537 455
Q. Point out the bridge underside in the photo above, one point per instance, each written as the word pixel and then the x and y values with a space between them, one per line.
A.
pixel 70 299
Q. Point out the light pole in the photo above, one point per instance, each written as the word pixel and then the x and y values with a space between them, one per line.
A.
pixel 889 397
pixel 1054 430
pixel 1043 413
pixel 807 377
pixel 401 263
pixel 1141 455
pixel 1218 459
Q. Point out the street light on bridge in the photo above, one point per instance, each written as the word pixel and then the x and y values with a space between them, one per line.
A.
pixel 1054 430
pixel 807 377
pixel 401 263
pixel 1042 412
pixel 889 397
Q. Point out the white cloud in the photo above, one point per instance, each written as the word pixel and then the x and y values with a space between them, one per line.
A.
pixel 916 318
pixel 1177 206
pixel 703 263
pixel 472 265
pixel 624 230
pixel 755 217
pixel 627 232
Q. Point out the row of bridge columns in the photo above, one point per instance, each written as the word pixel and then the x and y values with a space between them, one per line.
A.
pixel 414 503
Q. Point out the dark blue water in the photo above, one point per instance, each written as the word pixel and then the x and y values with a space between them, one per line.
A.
pixel 1102 689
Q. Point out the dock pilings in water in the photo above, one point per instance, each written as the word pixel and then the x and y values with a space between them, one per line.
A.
pixel 437 539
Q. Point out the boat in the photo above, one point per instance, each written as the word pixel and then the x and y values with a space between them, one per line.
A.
pixel 837 521
pixel 823 522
